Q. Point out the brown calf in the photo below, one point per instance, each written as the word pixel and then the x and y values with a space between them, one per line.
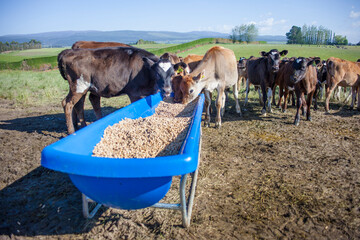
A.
pixel 303 79
pixel 342 73
pixel 217 70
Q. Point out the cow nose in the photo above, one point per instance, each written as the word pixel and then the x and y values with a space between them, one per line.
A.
pixel 276 68
pixel 166 92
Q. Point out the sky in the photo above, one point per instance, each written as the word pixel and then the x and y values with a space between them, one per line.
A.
pixel 272 17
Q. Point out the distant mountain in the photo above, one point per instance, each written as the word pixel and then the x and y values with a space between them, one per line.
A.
pixel 272 38
pixel 67 38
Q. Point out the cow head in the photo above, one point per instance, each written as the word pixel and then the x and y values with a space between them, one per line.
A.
pixel 242 63
pixel 181 68
pixel 161 71
pixel 300 66
pixel 273 59
pixel 322 71
pixel 190 87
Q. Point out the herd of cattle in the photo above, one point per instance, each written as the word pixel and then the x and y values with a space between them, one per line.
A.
pixel 108 69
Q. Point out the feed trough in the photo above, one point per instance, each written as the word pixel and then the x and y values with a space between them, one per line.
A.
pixel 128 183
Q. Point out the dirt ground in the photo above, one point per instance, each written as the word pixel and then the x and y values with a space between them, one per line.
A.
pixel 259 178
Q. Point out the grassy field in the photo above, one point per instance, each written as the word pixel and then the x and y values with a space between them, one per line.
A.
pixel 47 87
pixel 351 53
pixel 15 56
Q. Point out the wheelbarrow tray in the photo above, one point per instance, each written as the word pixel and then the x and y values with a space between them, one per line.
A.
pixel 125 183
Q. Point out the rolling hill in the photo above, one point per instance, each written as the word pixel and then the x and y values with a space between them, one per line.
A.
pixel 67 38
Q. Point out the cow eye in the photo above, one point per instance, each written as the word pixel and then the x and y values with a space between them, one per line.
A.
pixel 192 90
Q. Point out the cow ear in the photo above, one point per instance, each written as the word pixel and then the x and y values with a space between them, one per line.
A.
pixel 148 62
pixel 199 76
pixel 312 62
pixel 283 53
pixel 262 53
pixel 317 61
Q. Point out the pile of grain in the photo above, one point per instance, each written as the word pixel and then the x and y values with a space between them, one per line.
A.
pixel 161 134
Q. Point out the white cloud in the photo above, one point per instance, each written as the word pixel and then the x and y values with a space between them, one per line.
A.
pixel 270 26
pixel 356 24
pixel 217 28
pixel 354 14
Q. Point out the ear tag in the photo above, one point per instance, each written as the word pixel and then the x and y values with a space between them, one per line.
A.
pixel 180 70
pixel 202 76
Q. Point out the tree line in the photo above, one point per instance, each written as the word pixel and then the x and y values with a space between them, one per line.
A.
pixel 314 35
pixel 32 44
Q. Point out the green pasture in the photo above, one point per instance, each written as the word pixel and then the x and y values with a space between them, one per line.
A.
pixel 15 56
pixel 34 88
pixel 351 53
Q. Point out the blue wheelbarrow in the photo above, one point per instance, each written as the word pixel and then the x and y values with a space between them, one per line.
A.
pixel 128 183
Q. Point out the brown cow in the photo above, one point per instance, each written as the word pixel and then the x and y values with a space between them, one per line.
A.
pixel 242 72
pixel 303 78
pixel 93 44
pixel 109 72
pixel 188 64
pixel 173 58
pixel 342 73
pixel 261 72
pixel 217 70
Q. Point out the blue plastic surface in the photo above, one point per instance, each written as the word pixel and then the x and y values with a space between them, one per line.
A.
pixel 119 182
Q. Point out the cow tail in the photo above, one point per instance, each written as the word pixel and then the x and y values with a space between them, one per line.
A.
pixel 61 63
pixel 331 68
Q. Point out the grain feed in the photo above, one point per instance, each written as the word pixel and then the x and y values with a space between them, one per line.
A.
pixel 161 134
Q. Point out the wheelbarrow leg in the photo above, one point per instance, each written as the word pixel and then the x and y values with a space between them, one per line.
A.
pixel 186 207
pixel 85 205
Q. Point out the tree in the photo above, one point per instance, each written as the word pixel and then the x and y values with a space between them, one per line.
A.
pixel 294 36
pixel 244 32
pixel 340 40
pixel 251 33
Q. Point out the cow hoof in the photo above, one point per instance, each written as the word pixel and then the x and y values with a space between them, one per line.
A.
pixel 217 125
pixel 284 110
pixel 309 119
pixel 206 124
pixel 297 122
pixel 263 112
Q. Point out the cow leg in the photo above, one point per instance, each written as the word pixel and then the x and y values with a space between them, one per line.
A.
pixel 304 105
pixel 351 94
pixel 70 100
pixel 260 96
pixel 236 97
pixel 219 105
pixel 285 100
pixel 247 89
pixel 223 99
pixel 78 114
pixel 264 97
pixel 358 98
pixel 269 98
pixel 309 101
pixel 95 102
pixel 273 98
pixel 317 90
pixel 329 90
pixel 207 108
pixel 281 94
pixel 298 106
